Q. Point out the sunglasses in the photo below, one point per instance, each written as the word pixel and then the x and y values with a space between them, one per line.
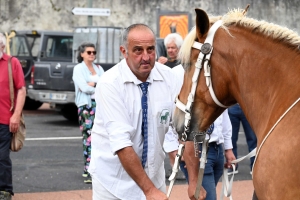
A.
pixel 90 52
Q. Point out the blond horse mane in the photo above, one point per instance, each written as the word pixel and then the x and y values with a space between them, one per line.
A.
pixel 237 17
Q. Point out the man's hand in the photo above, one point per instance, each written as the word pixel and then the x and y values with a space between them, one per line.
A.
pixel 162 60
pixel 229 157
pixel 191 193
pixel 155 194
pixel 14 123
pixel 133 167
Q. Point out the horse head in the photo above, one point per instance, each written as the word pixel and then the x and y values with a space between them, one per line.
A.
pixel 204 110
pixel 241 50
pixel 256 64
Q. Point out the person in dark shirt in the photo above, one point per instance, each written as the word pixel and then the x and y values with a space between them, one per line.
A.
pixel 172 42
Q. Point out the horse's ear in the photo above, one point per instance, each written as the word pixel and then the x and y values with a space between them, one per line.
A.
pixel 202 23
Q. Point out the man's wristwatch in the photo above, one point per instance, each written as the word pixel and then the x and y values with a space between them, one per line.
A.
pixel 95 85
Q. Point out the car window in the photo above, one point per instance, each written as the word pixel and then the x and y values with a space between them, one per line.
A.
pixel 59 46
pixel 18 46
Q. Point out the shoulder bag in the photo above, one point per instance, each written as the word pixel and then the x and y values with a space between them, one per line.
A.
pixel 18 138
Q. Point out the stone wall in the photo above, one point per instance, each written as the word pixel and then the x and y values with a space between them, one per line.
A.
pixel 56 14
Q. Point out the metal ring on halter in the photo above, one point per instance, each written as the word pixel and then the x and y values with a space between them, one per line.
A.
pixel 208 137
pixel 183 137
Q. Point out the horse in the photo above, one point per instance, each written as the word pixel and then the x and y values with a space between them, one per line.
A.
pixel 256 64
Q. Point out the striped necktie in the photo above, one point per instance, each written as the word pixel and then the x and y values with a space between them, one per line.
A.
pixel 210 129
pixel 144 103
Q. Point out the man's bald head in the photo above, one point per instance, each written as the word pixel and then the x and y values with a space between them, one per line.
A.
pixel 132 27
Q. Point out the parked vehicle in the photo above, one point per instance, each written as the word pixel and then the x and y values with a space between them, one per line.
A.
pixel 21 46
pixel 52 78
pixel 54 58
pixel 29 47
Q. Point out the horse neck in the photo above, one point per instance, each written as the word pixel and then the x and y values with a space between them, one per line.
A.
pixel 266 78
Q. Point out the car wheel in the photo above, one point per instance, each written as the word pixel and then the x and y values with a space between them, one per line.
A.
pixel 69 111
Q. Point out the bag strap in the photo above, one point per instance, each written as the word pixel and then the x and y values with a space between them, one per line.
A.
pixel 11 85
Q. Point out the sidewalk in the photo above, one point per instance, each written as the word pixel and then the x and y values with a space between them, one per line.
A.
pixel 242 190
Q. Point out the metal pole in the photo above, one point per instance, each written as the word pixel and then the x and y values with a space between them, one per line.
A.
pixel 90 18
pixel 157 21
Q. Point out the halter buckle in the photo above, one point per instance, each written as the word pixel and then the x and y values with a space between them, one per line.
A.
pixel 206 48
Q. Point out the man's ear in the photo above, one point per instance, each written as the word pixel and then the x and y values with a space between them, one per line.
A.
pixel 123 51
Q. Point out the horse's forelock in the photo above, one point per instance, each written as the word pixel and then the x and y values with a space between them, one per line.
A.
pixel 185 50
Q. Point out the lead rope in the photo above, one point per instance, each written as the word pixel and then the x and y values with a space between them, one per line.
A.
pixel 226 185
pixel 274 127
pixel 203 159
pixel 175 168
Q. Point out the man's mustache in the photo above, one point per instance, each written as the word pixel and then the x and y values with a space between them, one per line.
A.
pixel 145 62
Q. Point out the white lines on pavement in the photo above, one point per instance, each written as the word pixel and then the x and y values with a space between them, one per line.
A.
pixel 53 138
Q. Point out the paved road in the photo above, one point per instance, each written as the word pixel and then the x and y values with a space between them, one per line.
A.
pixel 52 157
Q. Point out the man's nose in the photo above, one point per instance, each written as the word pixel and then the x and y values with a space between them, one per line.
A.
pixel 145 56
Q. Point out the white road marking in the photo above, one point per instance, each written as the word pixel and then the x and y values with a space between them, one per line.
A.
pixel 54 138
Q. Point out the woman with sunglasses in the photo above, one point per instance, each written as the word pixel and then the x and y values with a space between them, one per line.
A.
pixel 85 76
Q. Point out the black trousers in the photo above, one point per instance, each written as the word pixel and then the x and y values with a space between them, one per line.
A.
pixel 5 162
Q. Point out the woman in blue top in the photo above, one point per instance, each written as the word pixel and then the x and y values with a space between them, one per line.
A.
pixel 85 76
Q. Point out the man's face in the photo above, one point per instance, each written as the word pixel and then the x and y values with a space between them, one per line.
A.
pixel 172 50
pixel 140 56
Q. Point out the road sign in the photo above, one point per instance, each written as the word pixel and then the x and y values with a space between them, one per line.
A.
pixel 91 11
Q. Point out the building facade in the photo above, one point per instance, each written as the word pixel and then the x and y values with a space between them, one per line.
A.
pixel 57 14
